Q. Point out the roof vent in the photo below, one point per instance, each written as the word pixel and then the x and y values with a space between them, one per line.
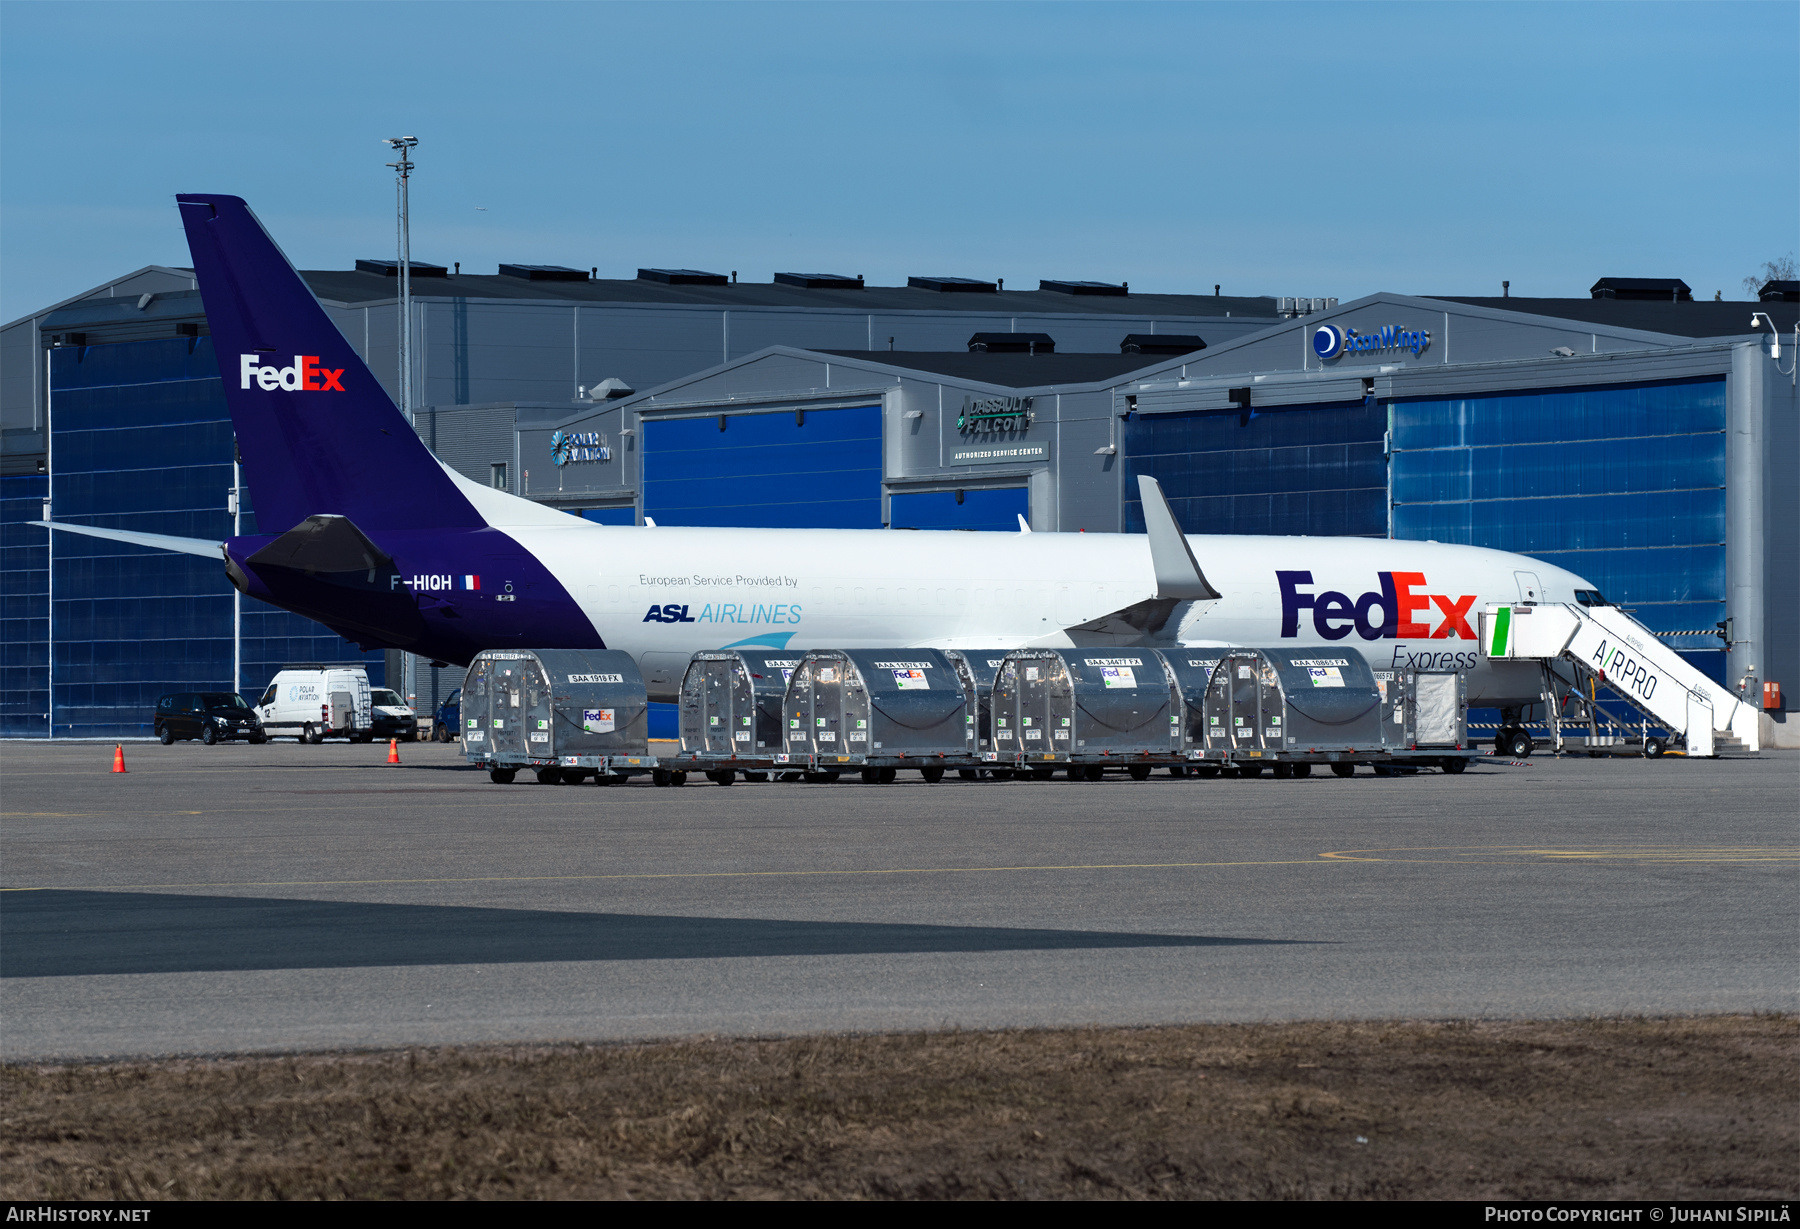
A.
pixel 1106 288
pixel 1643 289
pixel 1291 308
pixel 965 285
pixel 544 273
pixel 610 389
pixel 1780 292
pixel 1012 343
pixel 391 268
pixel 819 281
pixel 683 277
pixel 1160 343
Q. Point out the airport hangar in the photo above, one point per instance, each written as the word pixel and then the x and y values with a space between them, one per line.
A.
pixel 1637 437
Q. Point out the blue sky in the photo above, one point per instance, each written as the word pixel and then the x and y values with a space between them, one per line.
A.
pixel 1271 148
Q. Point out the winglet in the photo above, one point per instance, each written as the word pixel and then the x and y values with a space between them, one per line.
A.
pixel 1023 527
pixel 1178 573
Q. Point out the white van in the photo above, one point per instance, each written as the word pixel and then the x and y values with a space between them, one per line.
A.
pixel 313 703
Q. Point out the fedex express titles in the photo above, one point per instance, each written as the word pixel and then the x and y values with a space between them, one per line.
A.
pixel 306 375
pixel 1401 608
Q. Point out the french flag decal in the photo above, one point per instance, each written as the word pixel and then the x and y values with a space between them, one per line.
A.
pixel 471 582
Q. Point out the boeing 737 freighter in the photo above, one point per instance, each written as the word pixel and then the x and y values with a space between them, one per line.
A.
pixel 374 537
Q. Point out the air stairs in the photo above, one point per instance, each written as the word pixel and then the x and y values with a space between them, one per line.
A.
pixel 1609 648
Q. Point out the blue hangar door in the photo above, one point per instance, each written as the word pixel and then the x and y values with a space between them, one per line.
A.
pixel 998 510
pixel 818 469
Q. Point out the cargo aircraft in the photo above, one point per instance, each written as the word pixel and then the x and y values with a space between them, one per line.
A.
pixel 370 534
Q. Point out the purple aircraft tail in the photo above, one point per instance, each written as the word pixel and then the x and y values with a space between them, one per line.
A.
pixel 317 434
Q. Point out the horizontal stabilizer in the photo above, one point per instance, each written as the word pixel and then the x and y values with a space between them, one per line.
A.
pixel 1178 573
pixel 155 541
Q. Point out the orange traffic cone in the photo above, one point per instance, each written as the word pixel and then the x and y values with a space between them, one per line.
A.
pixel 393 752
pixel 119 758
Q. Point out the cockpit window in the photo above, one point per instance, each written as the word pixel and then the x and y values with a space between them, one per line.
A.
pixel 1591 597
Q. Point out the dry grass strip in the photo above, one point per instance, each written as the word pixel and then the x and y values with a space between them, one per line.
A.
pixel 1599 1109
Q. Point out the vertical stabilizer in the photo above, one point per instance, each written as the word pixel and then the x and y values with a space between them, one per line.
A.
pixel 318 434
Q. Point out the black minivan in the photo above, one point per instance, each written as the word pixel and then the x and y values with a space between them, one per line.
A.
pixel 210 716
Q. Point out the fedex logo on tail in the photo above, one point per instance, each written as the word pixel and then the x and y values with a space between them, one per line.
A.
pixel 1396 611
pixel 305 376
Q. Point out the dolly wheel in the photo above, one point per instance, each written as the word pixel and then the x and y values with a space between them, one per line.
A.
pixel 932 775
pixel 1344 770
pixel 1139 772
pixel 501 776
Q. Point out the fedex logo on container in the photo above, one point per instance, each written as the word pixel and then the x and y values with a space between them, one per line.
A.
pixel 305 376
pixel 1392 612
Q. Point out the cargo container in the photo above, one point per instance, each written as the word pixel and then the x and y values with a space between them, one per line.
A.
pixel 880 710
pixel 981 667
pixel 1089 708
pixel 1290 708
pixel 730 712
pixel 568 714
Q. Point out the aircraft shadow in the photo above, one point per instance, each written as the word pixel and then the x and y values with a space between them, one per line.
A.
pixel 78 933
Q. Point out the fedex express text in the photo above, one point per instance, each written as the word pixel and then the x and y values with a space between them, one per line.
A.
pixel 1401 608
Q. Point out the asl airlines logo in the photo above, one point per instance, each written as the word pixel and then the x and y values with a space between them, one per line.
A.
pixel 305 376
pixel 1398 606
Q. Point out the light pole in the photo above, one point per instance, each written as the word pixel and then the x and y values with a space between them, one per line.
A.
pixel 402 147
pixel 403 166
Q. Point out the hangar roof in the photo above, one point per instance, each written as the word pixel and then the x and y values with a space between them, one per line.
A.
pixel 353 287
pixel 1009 370
pixel 1703 319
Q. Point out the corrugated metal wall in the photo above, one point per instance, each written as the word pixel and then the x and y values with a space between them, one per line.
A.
pixel 470 439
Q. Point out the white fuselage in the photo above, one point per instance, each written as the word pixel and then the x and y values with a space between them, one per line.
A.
pixel 664 593
pixel 884 588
